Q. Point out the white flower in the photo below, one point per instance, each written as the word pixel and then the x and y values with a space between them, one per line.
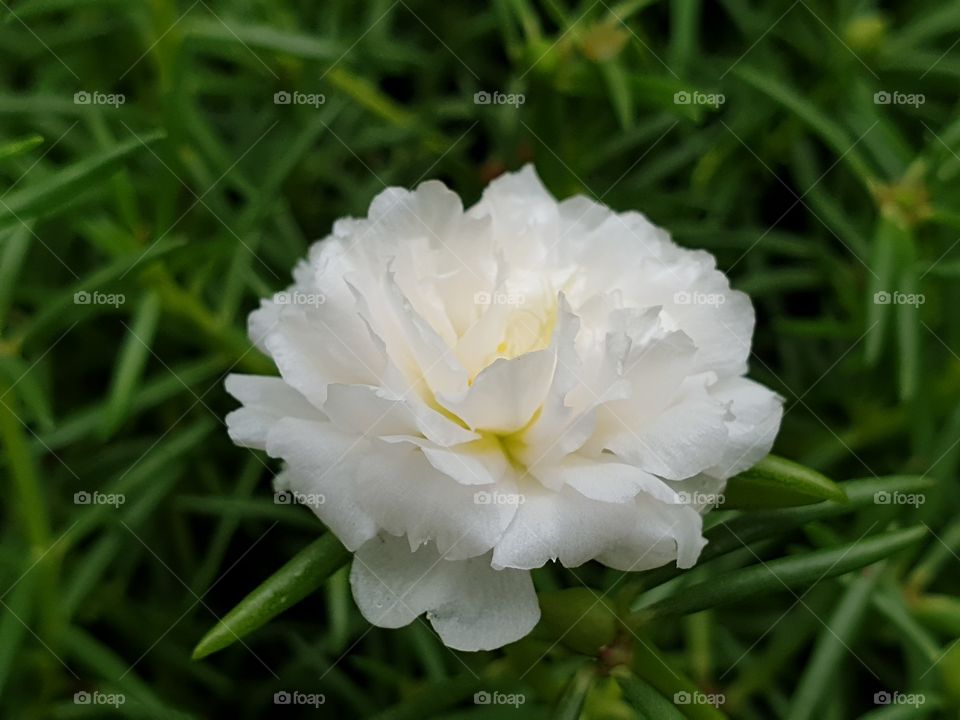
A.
pixel 481 392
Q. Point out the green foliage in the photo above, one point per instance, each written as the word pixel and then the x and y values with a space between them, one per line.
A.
pixel 300 577
pixel 152 190
pixel 777 482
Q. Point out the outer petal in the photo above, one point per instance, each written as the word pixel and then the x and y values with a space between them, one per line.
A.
pixel 568 527
pixel 605 480
pixel 674 532
pixel 370 484
pixel 373 412
pixel 408 496
pixel 322 460
pixel 682 441
pixel 722 331
pixel 701 492
pixel 471 605
pixel 524 217
pixel 315 348
pixel 757 413
pixel 265 400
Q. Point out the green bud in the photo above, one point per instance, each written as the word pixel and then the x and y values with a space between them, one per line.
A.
pixel 866 33
pixel 577 619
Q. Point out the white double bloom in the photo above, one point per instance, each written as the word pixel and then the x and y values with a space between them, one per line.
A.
pixel 525 349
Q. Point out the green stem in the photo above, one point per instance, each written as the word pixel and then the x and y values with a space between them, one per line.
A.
pixel 26 483
pixel 650 665
pixel 44 559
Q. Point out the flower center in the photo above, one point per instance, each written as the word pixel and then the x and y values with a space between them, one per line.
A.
pixel 512 444
pixel 527 330
pixel 527 327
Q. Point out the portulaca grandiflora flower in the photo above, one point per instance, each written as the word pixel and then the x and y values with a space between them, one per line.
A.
pixel 466 395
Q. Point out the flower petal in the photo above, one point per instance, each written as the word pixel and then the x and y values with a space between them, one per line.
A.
pixel 505 395
pixel 480 462
pixel 313 348
pixel 408 496
pixel 573 529
pixel 604 480
pixel 681 441
pixel 470 605
pixel 265 400
pixel 374 412
pixel 757 414
pixel 322 460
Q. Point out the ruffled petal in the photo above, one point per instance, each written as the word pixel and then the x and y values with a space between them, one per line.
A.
pixel 480 462
pixel 604 480
pixel 470 605
pixel 573 529
pixel 407 496
pixel 505 396
pixel 265 400
pixel 323 461
pixel 681 441
pixel 757 412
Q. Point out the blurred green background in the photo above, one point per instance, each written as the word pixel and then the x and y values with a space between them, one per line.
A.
pixel 154 185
